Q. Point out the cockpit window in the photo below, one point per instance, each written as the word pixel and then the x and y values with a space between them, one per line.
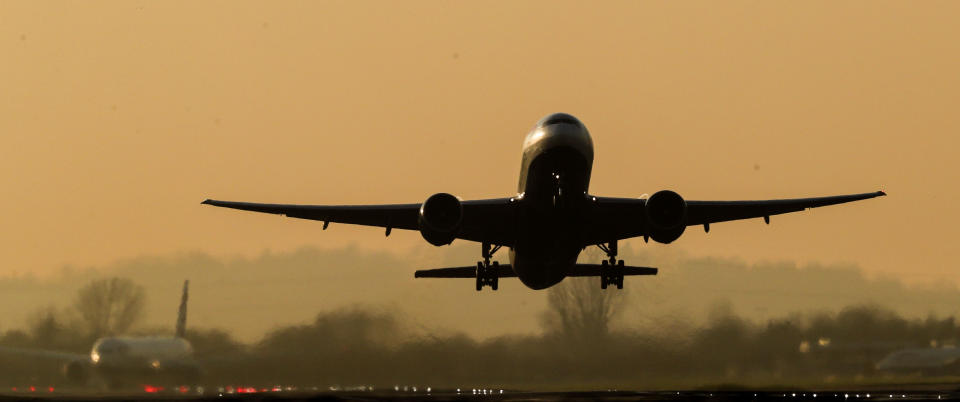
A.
pixel 559 118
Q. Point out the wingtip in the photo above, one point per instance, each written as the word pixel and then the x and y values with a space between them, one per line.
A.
pixel 881 193
pixel 207 201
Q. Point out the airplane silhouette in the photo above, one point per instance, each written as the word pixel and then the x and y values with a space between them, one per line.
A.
pixel 551 219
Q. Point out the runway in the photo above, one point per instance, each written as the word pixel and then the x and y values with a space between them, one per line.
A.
pixel 505 395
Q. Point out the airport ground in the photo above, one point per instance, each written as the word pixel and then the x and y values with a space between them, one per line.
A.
pixel 828 352
pixel 934 389
pixel 927 394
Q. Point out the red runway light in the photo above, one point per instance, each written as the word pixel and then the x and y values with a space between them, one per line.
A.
pixel 33 389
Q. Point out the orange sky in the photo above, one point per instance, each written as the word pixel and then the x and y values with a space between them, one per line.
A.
pixel 118 118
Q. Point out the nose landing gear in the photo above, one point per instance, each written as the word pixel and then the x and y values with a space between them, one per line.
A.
pixel 488 274
pixel 611 271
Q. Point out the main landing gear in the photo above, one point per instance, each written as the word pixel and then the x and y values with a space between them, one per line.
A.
pixel 611 271
pixel 488 274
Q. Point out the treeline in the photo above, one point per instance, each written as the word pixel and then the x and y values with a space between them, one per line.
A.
pixel 352 347
pixel 291 286
pixel 580 346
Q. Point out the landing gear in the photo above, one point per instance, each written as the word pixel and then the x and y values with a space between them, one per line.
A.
pixel 611 274
pixel 611 271
pixel 488 274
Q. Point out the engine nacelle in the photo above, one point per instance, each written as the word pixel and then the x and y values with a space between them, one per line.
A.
pixel 666 216
pixel 440 218
pixel 76 371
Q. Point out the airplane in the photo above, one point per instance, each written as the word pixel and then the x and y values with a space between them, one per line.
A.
pixel 930 361
pixel 551 219
pixel 119 361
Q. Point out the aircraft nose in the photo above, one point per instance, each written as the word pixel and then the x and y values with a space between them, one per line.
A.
pixel 559 130
pixel 559 118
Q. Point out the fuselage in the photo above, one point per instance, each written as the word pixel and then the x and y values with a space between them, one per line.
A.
pixel 554 179
pixel 144 360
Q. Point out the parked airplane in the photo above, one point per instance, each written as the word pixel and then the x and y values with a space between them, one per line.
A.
pixel 927 361
pixel 551 219
pixel 126 361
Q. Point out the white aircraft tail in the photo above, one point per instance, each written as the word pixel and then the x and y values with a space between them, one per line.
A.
pixel 182 314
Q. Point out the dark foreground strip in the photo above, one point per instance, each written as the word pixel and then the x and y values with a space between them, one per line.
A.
pixel 832 395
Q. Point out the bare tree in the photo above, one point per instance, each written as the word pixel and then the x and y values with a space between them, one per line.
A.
pixel 46 327
pixel 109 306
pixel 578 309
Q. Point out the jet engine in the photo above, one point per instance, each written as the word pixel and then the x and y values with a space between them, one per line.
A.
pixel 76 371
pixel 666 216
pixel 440 218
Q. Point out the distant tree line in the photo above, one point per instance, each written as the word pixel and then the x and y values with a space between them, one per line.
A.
pixel 578 347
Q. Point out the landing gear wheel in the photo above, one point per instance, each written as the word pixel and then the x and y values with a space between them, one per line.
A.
pixel 611 271
pixel 488 274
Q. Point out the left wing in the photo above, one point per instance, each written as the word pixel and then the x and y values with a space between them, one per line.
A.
pixel 491 221
pixel 622 218
pixel 43 354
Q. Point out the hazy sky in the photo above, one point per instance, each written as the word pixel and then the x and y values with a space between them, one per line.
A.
pixel 118 118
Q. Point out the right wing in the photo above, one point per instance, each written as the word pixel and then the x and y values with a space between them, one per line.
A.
pixel 489 221
pixel 621 218
pixel 706 212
